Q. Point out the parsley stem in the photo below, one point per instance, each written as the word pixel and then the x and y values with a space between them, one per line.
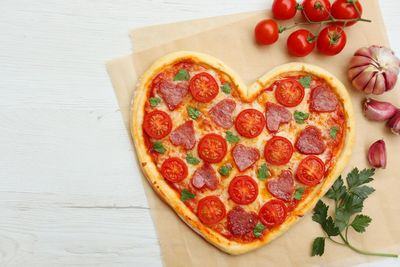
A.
pixel 337 242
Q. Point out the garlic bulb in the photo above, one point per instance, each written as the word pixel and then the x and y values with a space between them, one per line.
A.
pixel 374 70
pixel 377 154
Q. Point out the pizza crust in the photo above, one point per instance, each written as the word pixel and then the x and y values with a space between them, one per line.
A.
pixel 170 196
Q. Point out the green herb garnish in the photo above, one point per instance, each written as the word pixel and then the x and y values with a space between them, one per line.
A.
pixel 305 81
pixel 333 132
pixel 258 230
pixel 226 88
pixel 348 201
pixel 158 147
pixel 154 101
pixel 182 75
pixel 299 193
pixel 300 117
pixel 231 138
pixel 193 113
pixel 192 160
pixel 225 170
pixel 262 172
pixel 186 194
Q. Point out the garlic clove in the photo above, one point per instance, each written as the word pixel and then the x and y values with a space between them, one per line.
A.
pixel 380 86
pixel 361 81
pixel 375 110
pixel 371 84
pixel 394 123
pixel 364 52
pixel 391 79
pixel 358 61
pixel 377 156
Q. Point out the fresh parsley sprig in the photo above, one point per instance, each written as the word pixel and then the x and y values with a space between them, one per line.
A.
pixel 349 200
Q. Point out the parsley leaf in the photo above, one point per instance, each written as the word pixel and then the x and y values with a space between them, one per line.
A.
pixel 333 132
pixel 193 113
pixel 225 170
pixel 298 193
pixel 258 230
pixel 231 138
pixel 192 159
pixel 318 246
pixel 357 178
pixel 305 81
pixel 320 212
pixel 182 75
pixel 363 191
pixel 337 191
pixel 330 228
pixel 262 172
pixel 226 88
pixel 158 147
pixel 154 101
pixel 186 194
pixel 300 117
pixel 361 222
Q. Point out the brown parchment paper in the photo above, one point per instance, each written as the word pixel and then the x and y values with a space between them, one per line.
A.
pixel 232 43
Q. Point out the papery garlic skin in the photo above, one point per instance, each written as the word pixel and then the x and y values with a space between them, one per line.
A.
pixel 375 110
pixel 374 70
pixel 377 156
pixel 394 123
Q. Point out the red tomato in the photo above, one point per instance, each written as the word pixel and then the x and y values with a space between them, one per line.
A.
pixel 273 213
pixel 212 148
pixel 250 123
pixel 316 10
pixel 284 9
pixel 157 124
pixel 311 170
pixel 266 32
pixel 344 9
pixel 289 92
pixel 300 43
pixel 174 169
pixel 278 150
pixel 331 40
pixel 243 190
pixel 203 87
pixel 210 210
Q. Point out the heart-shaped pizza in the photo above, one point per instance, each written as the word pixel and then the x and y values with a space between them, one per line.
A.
pixel 240 164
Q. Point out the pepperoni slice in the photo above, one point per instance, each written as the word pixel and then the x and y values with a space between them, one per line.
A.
pixel 278 150
pixel 289 93
pixel 244 157
pixel 282 187
pixel 221 113
pixel 172 93
pixel 241 222
pixel 212 148
pixel 323 99
pixel 203 87
pixel 275 116
pixel 273 213
pixel 310 141
pixel 174 170
pixel 210 210
pixel 205 177
pixel 157 124
pixel 250 123
pixel 184 135
pixel 243 190
pixel 311 170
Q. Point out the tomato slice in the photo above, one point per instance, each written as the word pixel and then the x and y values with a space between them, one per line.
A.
pixel 311 170
pixel 174 170
pixel 157 124
pixel 250 123
pixel 289 93
pixel 203 87
pixel 273 213
pixel 278 150
pixel 212 148
pixel 210 210
pixel 243 190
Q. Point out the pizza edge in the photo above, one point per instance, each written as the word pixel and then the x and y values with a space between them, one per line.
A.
pixel 170 196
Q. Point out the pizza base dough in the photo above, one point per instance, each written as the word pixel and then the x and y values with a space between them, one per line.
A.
pixel 170 196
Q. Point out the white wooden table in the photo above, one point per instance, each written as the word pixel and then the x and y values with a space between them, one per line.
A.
pixel 68 191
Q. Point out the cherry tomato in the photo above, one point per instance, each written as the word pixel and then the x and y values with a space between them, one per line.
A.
pixel 210 210
pixel 278 150
pixel 273 213
pixel 316 10
pixel 250 123
pixel 311 170
pixel 212 148
pixel 345 9
pixel 331 40
pixel 203 87
pixel 289 92
pixel 157 124
pixel 174 169
pixel 243 190
pixel 301 43
pixel 266 32
pixel 284 9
